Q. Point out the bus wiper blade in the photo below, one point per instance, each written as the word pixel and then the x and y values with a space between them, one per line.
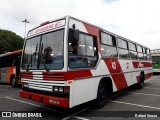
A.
pixel 29 63
pixel 41 58
pixel 31 58
pixel 45 67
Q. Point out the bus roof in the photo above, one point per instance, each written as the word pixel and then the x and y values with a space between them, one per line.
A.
pixel 102 29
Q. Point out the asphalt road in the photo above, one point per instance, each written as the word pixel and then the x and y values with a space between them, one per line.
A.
pixel 131 103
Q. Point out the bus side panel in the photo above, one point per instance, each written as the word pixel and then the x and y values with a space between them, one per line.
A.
pixel 83 90
pixel 3 75
pixel 128 71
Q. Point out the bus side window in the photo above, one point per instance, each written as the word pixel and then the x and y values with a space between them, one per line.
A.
pixel 123 48
pixel 108 45
pixel 148 54
pixel 144 53
pixel 140 52
pixel 133 50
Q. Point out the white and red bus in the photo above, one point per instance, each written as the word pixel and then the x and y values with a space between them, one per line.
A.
pixel 67 62
pixel 10 67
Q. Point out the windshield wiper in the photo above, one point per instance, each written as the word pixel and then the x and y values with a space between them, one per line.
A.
pixel 32 57
pixel 41 58
pixel 29 63
pixel 35 53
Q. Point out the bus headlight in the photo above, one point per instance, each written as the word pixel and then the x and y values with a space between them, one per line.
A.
pixel 25 85
pixel 61 89
pixel 55 89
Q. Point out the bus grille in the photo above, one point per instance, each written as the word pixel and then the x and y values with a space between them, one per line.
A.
pixel 43 82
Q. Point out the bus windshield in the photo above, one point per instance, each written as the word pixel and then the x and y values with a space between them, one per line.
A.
pixel 44 52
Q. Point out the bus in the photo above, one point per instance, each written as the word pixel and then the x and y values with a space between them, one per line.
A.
pixel 155 53
pixel 10 67
pixel 67 62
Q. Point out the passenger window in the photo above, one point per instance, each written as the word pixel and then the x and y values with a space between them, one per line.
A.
pixel 108 45
pixel 123 48
pixel 144 53
pixel 148 54
pixel 133 50
pixel 140 54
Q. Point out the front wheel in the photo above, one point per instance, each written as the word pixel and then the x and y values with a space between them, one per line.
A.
pixel 101 95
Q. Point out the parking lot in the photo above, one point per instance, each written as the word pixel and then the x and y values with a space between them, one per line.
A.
pixel 130 102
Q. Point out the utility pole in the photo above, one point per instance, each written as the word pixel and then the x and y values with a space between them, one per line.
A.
pixel 25 22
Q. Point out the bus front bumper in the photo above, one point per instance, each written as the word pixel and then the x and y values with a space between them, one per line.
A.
pixel 56 101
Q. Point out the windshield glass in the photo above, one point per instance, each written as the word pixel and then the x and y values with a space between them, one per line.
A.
pixel 44 52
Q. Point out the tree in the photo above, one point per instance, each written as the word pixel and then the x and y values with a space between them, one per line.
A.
pixel 9 41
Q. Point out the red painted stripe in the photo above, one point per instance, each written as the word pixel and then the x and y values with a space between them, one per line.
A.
pixel 116 72
pixel 55 101
pixel 69 75
pixel 78 74
pixel 141 64
pixel 146 76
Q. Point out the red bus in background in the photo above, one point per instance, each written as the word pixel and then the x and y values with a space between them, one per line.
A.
pixel 10 67
pixel 67 62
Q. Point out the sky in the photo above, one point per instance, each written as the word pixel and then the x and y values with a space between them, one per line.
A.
pixel 137 20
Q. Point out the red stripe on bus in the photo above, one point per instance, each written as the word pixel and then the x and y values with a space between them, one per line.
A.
pixel 141 64
pixel 146 76
pixel 55 101
pixel 116 72
pixel 70 75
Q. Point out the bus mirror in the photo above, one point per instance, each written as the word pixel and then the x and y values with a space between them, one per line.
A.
pixel 76 35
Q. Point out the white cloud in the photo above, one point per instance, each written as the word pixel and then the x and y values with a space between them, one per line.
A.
pixel 137 20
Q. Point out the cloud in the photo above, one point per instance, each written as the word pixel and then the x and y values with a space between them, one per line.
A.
pixel 137 20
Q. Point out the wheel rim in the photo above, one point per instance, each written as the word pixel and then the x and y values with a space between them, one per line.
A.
pixel 13 82
pixel 142 83
pixel 102 94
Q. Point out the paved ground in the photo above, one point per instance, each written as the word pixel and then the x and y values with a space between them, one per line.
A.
pixel 122 105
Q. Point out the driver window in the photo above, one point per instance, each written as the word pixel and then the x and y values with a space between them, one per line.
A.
pixel 83 53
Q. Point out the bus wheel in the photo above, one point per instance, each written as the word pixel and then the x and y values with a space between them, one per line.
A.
pixel 13 82
pixel 101 95
pixel 140 84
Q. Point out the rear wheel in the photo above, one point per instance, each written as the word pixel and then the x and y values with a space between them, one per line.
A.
pixel 140 84
pixel 101 95
pixel 13 82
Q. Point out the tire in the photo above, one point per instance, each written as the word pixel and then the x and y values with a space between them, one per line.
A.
pixel 140 84
pixel 13 82
pixel 102 95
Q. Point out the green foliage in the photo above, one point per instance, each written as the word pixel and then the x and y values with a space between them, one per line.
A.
pixel 9 41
